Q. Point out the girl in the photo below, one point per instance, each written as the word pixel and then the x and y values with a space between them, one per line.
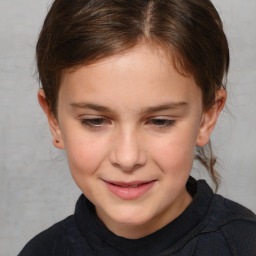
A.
pixel 130 90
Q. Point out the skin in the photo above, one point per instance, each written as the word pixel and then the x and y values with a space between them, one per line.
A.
pixel 130 118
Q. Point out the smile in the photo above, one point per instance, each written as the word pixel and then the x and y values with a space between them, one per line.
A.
pixel 129 191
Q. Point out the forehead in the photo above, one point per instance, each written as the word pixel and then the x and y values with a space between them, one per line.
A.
pixel 142 73
pixel 146 50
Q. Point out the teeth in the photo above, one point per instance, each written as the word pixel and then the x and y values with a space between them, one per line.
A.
pixel 135 186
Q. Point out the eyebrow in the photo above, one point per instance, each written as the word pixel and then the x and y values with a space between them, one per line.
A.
pixel 90 106
pixel 170 106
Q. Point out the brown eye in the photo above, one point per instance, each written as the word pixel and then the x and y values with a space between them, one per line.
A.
pixel 162 122
pixel 94 122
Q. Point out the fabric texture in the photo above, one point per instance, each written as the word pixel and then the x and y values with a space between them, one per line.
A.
pixel 211 225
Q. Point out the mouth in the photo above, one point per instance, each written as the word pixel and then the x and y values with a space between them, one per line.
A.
pixel 129 190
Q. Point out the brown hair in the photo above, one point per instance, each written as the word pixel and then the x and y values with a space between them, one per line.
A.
pixel 81 32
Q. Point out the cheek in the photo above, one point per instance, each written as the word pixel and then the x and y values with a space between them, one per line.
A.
pixel 175 153
pixel 85 154
pixel 175 157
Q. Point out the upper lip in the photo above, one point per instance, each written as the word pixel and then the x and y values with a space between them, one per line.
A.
pixel 128 184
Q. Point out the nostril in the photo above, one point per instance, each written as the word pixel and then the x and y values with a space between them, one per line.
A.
pixel 127 168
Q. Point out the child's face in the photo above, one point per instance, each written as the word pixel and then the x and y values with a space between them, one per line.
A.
pixel 129 125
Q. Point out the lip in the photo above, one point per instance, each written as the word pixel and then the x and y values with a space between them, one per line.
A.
pixel 129 190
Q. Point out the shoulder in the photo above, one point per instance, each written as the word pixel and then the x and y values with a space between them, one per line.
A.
pixel 224 212
pixel 234 224
pixel 226 227
pixel 52 241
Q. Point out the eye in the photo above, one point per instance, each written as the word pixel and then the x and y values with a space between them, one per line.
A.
pixel 161 122
pixel 95 122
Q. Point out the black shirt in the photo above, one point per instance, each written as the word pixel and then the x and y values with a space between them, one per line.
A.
pixel 211 225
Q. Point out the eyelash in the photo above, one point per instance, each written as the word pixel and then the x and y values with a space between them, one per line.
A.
pixel 91 122
pixel 162 123
pixel 98 123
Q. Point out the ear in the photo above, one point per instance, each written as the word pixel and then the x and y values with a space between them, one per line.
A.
pixel 52 120
pixel 210 117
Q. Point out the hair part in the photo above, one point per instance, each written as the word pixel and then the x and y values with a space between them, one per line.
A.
pixel 82 32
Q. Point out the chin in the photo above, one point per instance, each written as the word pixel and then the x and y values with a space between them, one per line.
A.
pixel 132 217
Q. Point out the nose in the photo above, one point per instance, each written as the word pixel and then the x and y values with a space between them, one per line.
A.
pixel 127 152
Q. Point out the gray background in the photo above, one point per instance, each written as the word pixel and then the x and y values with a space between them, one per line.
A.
pixel 36 189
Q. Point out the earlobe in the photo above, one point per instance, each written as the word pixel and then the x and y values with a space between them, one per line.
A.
pixel 52 120
pixel 210 117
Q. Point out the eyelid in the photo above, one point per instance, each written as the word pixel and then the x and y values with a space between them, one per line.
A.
pixel 88 121
pixel 171 118
pixel 168 122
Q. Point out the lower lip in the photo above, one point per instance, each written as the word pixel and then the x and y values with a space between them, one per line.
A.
pixel 129 193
